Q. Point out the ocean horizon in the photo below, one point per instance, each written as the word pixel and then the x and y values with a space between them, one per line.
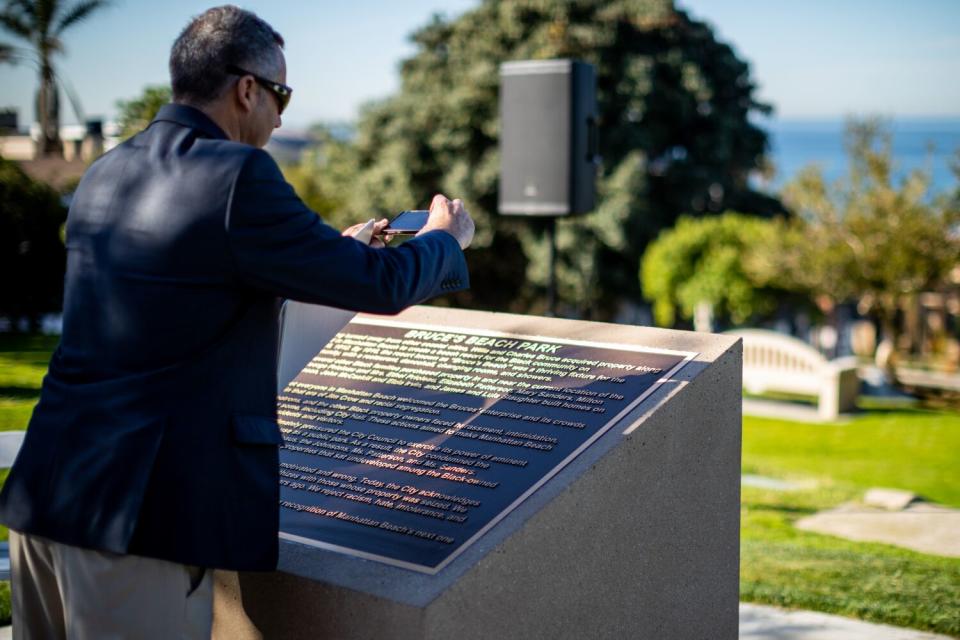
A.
pixel 926 143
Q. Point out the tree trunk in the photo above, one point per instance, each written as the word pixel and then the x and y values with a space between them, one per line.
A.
pixel 887 350
pixel 48 113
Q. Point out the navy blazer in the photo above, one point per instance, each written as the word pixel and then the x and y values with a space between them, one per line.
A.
pixel 156 432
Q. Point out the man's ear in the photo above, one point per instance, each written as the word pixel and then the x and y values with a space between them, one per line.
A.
pixel 245 93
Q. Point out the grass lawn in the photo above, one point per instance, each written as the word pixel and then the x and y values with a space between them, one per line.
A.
pixel 23 362
pixel 780 565
pixel 901 448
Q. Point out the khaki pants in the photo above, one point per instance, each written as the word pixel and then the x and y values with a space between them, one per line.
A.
pixel 60 591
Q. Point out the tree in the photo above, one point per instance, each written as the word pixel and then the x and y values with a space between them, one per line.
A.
pixel 42 23
pixel 705 261
pixel 32 254
pixel 321 195
pixel 955 169
pixel 136 114
pixel 868 237
pixel 675 137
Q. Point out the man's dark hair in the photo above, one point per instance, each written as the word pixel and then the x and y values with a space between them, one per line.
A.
pixel 218 38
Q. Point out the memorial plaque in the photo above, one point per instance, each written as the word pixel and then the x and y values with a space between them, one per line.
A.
pixel 405 442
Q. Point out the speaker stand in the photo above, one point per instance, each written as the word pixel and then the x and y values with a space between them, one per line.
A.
pixel 552 281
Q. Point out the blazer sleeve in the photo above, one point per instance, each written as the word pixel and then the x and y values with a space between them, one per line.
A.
pixel 282 247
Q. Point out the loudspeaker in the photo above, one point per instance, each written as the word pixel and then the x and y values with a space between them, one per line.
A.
pixel 548 137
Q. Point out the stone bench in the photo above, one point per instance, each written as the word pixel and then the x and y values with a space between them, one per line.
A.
pixel 776 362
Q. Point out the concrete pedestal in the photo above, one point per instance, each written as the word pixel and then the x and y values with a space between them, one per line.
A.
pixel 638 537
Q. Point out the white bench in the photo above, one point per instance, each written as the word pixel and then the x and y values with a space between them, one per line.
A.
pixel 776 362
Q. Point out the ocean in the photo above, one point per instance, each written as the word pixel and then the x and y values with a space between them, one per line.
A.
pixel 929 144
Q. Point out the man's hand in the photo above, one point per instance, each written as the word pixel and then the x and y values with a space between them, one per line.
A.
pixel 450 216
pixel 369 233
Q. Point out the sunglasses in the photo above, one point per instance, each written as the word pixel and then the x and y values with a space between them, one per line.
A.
pixel 280 91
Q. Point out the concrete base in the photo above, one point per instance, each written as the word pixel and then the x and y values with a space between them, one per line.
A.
pixel 638 537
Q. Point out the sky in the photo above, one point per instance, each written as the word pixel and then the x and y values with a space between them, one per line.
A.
pixel 812 59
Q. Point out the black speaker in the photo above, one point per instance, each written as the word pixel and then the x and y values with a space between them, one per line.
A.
pixel 548 137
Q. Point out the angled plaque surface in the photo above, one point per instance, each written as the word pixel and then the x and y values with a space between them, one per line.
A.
pixel 405 442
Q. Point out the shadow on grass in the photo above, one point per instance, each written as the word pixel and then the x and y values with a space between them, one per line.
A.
pixel 893 409
pixel 20 393
pixel 782 508
pixel 27 342
pixel 786 398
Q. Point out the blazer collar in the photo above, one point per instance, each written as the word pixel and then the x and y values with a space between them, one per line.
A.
pixel 190 117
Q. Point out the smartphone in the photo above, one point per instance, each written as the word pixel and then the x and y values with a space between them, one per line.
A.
pixel 407 223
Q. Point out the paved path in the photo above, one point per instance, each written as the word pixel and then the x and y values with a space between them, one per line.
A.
pixel 921 526
pixel 776 484
pixel 759 622
pixel 793 411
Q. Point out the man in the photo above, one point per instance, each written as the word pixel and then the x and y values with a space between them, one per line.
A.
pixel 152 454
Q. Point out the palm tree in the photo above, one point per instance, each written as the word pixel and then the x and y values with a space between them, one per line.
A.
pixel 42 23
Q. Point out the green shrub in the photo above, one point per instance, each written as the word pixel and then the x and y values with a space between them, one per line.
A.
pixel 32 255
pixel 704 260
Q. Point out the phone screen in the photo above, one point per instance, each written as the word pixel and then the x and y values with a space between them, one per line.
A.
pixel 408 222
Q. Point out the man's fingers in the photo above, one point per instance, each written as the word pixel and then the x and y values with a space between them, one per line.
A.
pixel 452 217
pixel 440 201
pixel 362 232
pixel 352 229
